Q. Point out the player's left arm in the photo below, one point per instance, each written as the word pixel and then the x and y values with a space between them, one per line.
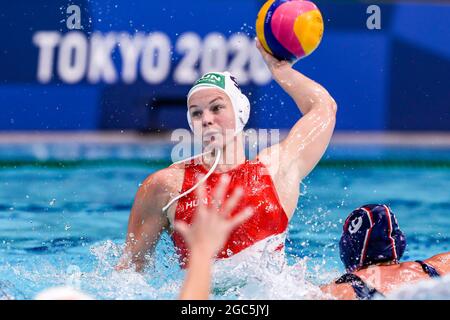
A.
pixel 308 139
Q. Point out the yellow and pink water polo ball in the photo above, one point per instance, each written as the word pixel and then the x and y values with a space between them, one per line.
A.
pixel 289 29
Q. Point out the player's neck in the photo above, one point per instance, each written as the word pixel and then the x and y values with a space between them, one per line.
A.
pixel 231 156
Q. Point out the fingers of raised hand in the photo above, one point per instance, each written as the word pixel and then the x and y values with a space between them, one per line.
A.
pixel 181 227
pixel 266 55
pixel 220 191
pixel 201 195
pixel 240 217
pixel 232 202
pixel 258 44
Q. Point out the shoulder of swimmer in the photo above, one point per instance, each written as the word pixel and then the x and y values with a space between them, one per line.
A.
pixel 342 291
pixel 165 180
pixel 276 161
pixel 159 187
pixel 441 262
pixel 388 277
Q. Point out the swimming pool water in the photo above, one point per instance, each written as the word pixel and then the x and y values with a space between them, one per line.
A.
pixel 65 224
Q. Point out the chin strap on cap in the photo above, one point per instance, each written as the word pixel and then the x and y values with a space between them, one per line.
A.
pixel 211 170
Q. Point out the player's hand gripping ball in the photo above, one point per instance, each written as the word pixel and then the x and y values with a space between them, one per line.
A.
pixel 289 29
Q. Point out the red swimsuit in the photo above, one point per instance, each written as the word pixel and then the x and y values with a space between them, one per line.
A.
pixel 268 219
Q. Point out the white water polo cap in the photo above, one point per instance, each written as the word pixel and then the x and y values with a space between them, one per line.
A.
pixel 227 83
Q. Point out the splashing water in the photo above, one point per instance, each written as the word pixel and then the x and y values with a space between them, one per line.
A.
pixel 266 275
pixel 78 239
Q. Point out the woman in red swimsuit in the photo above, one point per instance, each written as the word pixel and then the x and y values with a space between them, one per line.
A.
pixel 218 112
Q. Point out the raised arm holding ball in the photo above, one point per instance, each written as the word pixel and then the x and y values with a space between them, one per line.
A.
pixel 270 182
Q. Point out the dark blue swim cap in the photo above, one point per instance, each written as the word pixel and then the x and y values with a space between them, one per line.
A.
pixel 370 235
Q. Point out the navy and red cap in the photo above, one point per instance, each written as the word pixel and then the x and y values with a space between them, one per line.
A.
pixel 371 235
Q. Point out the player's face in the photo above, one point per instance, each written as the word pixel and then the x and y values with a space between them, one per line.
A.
pixel 212 116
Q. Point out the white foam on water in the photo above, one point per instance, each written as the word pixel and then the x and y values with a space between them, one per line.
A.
pixel 159 281
pixel 430 289
pixel 258 272
pixel 261 272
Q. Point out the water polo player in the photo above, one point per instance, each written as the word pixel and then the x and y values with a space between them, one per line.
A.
pixel 370 248
pixel 216 106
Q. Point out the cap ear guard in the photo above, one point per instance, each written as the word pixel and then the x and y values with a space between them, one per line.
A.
pixel 242 114
pixel 355 232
